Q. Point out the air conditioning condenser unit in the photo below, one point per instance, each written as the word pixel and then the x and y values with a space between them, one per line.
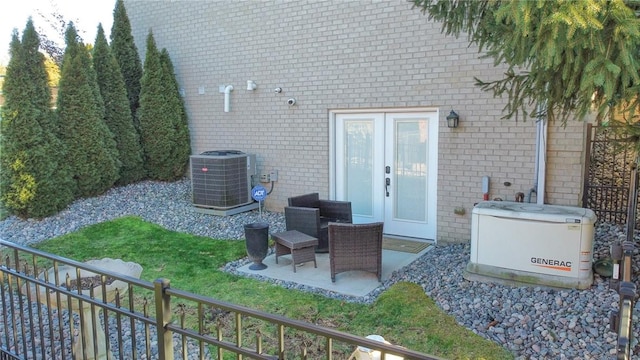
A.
pixel 221 182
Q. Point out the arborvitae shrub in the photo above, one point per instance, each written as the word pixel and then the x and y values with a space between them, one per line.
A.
pixel 162 122
pixel 117 111
pixel 126 53
pixel 92 154
pixel 34 178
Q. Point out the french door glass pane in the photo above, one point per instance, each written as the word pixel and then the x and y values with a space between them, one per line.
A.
pixel 359 165
pixel 411 170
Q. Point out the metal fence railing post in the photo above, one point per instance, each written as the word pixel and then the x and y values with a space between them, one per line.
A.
pixel 163 317
pixel 620 320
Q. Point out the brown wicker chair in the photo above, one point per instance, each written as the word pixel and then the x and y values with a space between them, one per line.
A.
pixel 310 215
pixel 355 247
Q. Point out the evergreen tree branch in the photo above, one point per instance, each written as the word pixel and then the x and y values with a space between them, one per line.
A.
pixel 580 57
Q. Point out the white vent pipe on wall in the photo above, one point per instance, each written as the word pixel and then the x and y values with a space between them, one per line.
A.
pixel 227 92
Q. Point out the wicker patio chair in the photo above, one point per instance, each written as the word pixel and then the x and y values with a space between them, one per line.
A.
pixel 355 247
pixel 306 220
pixel 307 200
pixel 311 215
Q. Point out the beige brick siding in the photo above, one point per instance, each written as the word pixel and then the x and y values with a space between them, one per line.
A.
pixel 347 55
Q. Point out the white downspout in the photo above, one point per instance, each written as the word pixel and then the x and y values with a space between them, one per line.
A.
pixel 541 170
pixel 541 159
pixel 227 91
pixel 534 187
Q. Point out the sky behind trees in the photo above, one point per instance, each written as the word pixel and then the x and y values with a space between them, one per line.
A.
pixel 85 15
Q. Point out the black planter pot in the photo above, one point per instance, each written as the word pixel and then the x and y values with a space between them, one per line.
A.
pixel 257 241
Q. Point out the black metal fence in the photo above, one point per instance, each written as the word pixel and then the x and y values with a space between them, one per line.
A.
pixel 607 174
pixel 56 308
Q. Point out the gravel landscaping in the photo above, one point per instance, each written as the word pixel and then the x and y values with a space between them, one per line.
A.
pixel 532 322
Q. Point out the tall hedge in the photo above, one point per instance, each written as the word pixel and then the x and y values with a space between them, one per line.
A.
pixel 126 53
pixel 92 154
pixel 34 179
pixel 161 118
pixel 182 139
pixel 117 111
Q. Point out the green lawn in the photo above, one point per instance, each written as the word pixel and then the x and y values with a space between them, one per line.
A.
pixel 404 315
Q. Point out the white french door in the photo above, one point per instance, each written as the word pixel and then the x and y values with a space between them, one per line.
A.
pixel 386 165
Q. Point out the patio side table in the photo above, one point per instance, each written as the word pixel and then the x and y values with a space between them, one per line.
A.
pixel 301 247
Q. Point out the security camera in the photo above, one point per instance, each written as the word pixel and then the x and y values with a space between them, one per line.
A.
pixel 291 101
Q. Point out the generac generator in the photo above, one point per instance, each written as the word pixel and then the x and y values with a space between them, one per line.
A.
pixel 532 244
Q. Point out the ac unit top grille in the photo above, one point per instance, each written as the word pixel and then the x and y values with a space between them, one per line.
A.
pixel 224 153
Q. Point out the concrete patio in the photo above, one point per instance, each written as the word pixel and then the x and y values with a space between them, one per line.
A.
pixel 354 283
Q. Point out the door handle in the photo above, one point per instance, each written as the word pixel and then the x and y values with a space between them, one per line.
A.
pixel 387 182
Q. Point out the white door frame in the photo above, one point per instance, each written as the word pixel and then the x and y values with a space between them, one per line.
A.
pixel 433 138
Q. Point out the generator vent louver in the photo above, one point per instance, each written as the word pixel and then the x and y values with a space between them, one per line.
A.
pixel 221 179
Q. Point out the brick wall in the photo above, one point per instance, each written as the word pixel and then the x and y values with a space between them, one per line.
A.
pixel 347 55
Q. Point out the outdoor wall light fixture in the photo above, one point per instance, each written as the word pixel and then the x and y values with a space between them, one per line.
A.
pixel 452 119
pixel 251 85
